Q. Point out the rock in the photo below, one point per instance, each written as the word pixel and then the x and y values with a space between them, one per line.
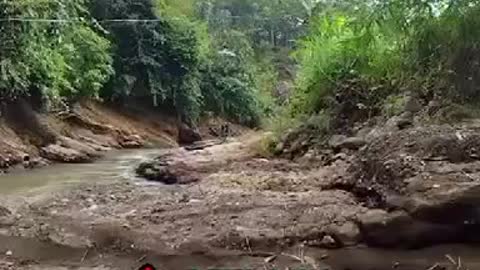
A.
pixel 34 163
pixel 336 140
pixel 391 124
pixel 132 142
pixel 363 132
pixel 404 123
pixel 396 202
pixel 4 164
pixel 342 142
pixel 347 234
pixel 59 153
pixel 427 180
pixel 374 133
pixel 329 242
pixel 340 156
pixel 162 172
pixel 376 216
pixel 7 221
pixel 134 137
pixel 78 146
pixel 9 253
pixel 39 162
pixel 354 143
pixel 279 148
pixel 131 145
pixel 400 230
pixel 412 104
pixel 4 212
pixel 187 135
pixel 434 106
pixel 155 172
pixel 405 120
pixel 399 122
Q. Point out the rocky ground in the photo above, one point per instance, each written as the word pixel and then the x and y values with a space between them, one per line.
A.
pixel 222 205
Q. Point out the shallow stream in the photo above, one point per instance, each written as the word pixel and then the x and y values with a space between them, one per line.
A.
pixel 116 164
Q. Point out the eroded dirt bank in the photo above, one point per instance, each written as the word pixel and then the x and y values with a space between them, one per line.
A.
pixel 81 134
pixel 223 206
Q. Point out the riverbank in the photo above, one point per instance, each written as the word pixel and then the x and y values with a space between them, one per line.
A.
pixel 33 139
pixel 243 210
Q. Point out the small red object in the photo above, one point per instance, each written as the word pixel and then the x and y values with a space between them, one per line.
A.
pixel 147 267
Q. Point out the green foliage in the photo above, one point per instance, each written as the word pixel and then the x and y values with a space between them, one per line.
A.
pixel 51 59
pixel 179 63
pixel 164 52
pixel 273 22
pixel 156 59
pixel 229 87
pixel 266 80
pixel 340 48
pixel 376 50
pixel 177 8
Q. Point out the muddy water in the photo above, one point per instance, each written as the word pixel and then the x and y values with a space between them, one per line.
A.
pixel 114 166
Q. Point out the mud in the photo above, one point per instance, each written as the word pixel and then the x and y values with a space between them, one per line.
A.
pixel 244 211
pixel 207 218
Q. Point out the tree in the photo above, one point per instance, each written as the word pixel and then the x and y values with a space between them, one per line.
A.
pixel 275 22
pixel 51 59
pixel 155 59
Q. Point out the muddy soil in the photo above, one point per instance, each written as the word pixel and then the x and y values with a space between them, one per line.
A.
pixel 242 211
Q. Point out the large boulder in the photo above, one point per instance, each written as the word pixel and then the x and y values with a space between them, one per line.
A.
pixel 78 146
pixel 401 230
pixel 59 153
pixel 426 182
pixel 156 172
pixel 163 172
pixel 188 135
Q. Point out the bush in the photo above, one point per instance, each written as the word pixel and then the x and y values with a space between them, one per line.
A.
pixel 339 49
pixel 384 49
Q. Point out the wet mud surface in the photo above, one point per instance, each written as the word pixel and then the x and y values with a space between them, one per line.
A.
pixel 243 212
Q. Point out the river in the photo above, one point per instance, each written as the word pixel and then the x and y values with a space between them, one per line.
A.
pixel 114 165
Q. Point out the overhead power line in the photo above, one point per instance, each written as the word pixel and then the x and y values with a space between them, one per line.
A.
pixel 24 19
pixel 16 19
